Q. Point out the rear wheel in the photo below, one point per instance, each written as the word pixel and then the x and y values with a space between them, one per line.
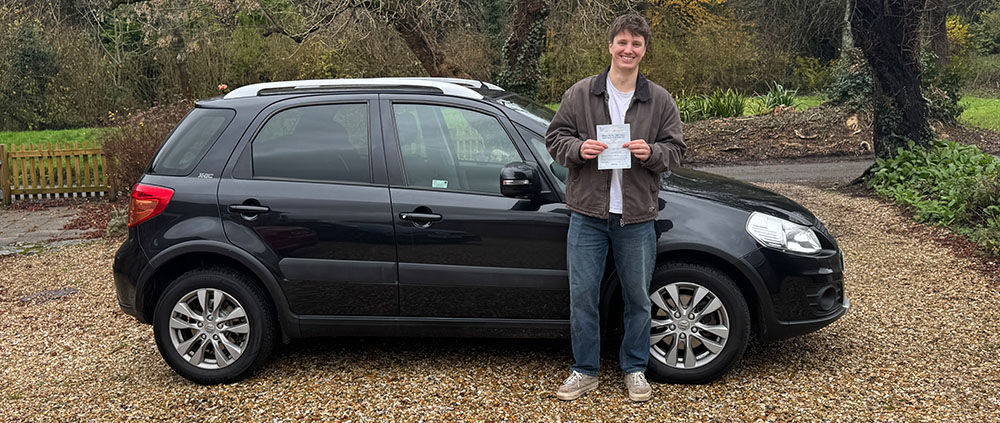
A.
pixel 214 326
pixel 700 323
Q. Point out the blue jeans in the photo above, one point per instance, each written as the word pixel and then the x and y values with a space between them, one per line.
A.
pixel 634 249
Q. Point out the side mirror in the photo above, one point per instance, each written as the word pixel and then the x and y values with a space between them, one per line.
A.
pixel 519 180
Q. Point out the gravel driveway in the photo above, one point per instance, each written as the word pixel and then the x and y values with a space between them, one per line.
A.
pixel 922 343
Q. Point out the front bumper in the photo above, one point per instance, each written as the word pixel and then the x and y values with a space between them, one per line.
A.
pixel 805 292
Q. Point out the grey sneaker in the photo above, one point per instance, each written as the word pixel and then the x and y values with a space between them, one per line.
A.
pixel 638 388
pixel 576 385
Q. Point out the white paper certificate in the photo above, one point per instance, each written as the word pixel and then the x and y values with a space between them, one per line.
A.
pixel 615 156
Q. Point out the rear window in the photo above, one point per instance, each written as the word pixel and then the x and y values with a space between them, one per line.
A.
pixel 190 140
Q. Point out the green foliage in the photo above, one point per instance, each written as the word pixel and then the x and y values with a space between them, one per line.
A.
pixel 23 85
pixel 718 104
pixel 580 51
pixel 984 35
pixel 950 184
pixel 716 55
pixel 851 86
pixel 689 107
pixel 958 35
pixel 525 74
pixel 811 75
pixel 778 95
pixel 940 86
pixel 726 103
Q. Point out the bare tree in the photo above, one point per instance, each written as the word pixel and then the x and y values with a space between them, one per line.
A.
pixel 417 22
pixel 810 28
pixel 887 32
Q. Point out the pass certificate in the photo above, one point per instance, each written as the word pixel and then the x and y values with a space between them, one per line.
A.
pixel 615 156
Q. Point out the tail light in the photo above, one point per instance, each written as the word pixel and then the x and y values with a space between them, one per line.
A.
pixel 147 201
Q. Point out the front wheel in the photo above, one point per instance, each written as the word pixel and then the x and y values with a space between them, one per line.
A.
pixel 214 326
pixel 700 323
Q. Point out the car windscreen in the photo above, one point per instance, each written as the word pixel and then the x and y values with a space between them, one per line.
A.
pixel 532 109
pixel 190 140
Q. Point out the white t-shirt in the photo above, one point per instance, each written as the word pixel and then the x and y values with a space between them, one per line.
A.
pixel 617 106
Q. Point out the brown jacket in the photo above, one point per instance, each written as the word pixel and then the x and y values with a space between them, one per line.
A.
pixel 653 117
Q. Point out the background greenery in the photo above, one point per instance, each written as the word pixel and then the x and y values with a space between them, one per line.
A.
pixel 70 63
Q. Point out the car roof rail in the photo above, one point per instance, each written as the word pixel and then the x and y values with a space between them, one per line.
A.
pixel 450 86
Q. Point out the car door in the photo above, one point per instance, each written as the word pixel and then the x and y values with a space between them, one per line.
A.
pixel 464 249
pixel 308 197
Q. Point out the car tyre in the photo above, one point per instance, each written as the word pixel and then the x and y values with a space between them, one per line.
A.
pixel 221 320
pixel 718 334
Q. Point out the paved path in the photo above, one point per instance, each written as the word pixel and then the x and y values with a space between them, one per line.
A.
pixel 817 173
pixel 26 230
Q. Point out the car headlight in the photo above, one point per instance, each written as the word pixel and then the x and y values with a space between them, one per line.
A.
pixel 781 234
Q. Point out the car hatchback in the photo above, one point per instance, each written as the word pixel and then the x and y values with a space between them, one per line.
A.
pixel 429 207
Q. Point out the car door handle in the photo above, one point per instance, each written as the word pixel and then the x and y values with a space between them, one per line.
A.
pixel 420 217
pixel 248 209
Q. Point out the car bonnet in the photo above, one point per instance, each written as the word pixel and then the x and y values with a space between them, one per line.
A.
pixel 735 194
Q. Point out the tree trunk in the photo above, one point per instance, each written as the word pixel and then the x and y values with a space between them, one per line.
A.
pixel 523 49
pixel 846 41
pixel 887 32
pixel 937 30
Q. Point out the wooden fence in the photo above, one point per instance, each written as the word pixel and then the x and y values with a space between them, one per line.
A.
pixel 47 171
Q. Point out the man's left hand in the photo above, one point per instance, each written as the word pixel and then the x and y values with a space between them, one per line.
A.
pixel 639 149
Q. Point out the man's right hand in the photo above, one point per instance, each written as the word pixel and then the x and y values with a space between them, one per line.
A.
pixel 591 148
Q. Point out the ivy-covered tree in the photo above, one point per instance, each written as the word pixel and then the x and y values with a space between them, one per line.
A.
pixel 887 32
pixel 520 70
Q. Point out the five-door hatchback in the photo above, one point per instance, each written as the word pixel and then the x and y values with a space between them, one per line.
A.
pixel 429 207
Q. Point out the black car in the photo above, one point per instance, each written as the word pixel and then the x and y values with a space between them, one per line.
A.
pixel 429 207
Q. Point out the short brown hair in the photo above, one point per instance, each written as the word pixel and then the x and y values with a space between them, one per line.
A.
pixel 631 22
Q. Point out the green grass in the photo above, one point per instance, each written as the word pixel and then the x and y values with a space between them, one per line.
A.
pixel 802 102
pixel 42 137
pixel 981 112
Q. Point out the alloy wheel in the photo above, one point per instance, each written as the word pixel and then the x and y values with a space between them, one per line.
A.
pixel 209 328
pixel 689 327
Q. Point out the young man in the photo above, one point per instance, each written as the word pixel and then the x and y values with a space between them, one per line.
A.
pixel 617 207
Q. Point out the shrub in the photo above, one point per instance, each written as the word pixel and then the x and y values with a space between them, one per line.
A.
pixel 720 103
pixel 726 103
pixel 811 75
pixel 958 35
pixel 130 145
pixel 851 86
pixel 689 107
pixel 31 66
pixel 984 35
pixel 950 184
pixel 778 96
pixel 941 85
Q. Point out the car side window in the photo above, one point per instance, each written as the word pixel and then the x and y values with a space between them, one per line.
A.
pixel 537 144
pixel 451 148
pixel 327 143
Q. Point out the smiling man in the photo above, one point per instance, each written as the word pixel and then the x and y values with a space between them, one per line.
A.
pixel 614 199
